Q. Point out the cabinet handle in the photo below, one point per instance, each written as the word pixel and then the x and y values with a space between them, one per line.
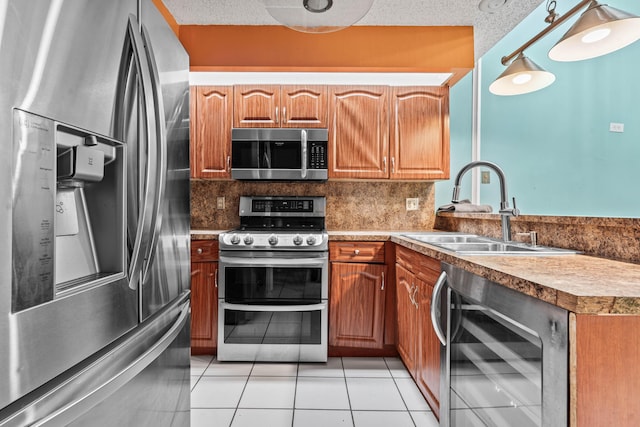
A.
pixel 393 165
pixel 284 114
pixel 384 164
pixel 382 287
pixel 356 252
pixel 199 251
pixel 228 163
pixel 277 119
pixel 215 278
pixel 411 294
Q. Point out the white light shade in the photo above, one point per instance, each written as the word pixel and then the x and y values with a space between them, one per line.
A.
pixel 522 76
pixel 599 30
pixel 339 14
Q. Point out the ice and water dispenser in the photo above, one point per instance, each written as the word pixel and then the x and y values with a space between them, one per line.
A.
pixel 68 202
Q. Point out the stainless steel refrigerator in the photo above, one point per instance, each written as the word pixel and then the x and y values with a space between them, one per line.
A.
pixel 94 215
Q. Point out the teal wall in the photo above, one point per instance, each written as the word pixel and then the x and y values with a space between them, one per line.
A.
pixel 554 144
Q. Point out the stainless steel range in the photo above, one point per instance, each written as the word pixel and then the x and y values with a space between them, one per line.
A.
pixel 273 283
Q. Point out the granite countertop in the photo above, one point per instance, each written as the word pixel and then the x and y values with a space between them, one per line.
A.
pixel 579 283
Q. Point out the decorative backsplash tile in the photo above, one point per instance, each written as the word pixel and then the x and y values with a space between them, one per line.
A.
pixel 351 205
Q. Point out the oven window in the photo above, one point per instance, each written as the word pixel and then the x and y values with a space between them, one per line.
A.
pixel 273 286
pixel 496 369
pixel 266 327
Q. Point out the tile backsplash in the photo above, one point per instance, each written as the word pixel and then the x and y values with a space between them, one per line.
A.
pixel 351 205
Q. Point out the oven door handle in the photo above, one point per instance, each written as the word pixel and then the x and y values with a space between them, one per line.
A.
pixel 435 307
pixel 279 308
pixel 270 262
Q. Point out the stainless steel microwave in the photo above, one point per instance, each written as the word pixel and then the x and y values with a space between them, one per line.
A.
pixel 279 154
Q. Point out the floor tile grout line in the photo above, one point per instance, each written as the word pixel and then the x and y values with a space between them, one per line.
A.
pixel 235 412
pixel 400 393
pixel 295 395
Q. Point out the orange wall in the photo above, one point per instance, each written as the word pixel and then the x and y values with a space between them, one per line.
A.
pixel 358 48
pixel 355 49
pixel 167 16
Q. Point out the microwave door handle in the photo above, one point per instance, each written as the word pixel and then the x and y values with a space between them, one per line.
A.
pixel 304 153
pixel 435 307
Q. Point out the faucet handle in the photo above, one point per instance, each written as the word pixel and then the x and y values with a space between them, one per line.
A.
pixel 510 211
pixel 515 210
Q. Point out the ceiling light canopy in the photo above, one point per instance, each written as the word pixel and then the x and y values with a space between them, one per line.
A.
pixel 317 16
pixel 522 76
pixel 599 30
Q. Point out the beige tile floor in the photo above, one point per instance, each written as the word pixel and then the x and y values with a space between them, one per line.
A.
pixel 352 392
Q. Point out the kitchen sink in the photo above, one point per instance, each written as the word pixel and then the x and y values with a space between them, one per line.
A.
pixel 472 244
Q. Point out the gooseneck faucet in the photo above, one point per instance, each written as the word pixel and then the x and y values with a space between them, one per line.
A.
pixel 505 211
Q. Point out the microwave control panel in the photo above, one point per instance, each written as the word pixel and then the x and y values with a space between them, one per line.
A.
pixel 317 155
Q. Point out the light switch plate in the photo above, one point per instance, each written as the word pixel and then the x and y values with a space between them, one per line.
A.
pixel 220 203
pixel 412 203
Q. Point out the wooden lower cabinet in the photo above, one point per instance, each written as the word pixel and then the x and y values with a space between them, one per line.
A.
pixel 604 370
pixel 360 305
pixel 407 317
pixel 204 297
pixel 417 343
pixel 357 305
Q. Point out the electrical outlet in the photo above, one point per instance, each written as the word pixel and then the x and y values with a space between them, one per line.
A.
pixel 616 127
pixel 412 203
pixel 485 177
pixel 220 203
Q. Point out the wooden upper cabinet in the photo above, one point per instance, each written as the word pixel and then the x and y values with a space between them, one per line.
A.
pixel 358 131
pixel 420 132
pixel 272 106
pixel 256 106
pixel 304 106
pixel 211 113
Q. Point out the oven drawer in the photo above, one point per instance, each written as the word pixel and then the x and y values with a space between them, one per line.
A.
pixel 272 333
pixel 367 252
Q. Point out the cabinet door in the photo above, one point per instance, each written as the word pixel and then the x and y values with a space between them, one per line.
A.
pixel 204 306
pixel 256 106
pixel 357 305
pixel 304 106
pixel 211 127
pixel 358 131
pixel 420 133
pixel 428 363
pixel 407 318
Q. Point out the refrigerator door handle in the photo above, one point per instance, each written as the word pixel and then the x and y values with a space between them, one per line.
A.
pixel 74 409
pixel 161 143
pixel 145 224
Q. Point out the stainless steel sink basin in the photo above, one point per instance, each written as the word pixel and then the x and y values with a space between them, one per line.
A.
pixel 471 244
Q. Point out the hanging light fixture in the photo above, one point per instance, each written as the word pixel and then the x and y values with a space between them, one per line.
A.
pixel 522 76
pixel 317 16
pixel 599 30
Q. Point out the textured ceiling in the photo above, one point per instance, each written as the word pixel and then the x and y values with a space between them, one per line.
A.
pixel 489 28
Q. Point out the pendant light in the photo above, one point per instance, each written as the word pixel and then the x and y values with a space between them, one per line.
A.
pixel 522 76
pixel 601 29
pixel 317 16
